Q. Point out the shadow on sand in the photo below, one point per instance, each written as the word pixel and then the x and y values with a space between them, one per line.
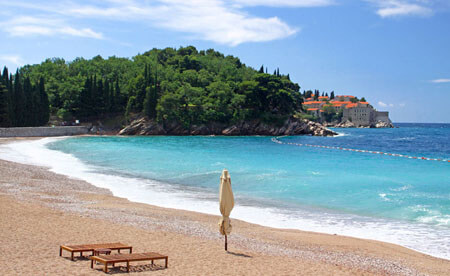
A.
pixel 239 254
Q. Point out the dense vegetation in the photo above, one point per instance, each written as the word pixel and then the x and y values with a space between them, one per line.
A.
pixel 182 85
pixel 22 103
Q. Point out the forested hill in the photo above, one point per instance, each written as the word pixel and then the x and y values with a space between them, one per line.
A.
pixel 170 85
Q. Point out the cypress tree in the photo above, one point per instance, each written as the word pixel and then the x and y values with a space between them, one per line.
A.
pixel 261 70
pixel 332 95
pixel 4 107
pixel 278 71
pixel 147 102
pixel 4 77
pixel 19 101
pixel 117 99
pixel 28 112
pixel 99 99
pixel 11 105
pixel 106 98
pixel 44 105
pixel 36 106
pixel 85 108
pixel 111 97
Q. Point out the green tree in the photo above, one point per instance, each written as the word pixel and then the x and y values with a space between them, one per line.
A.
pixel 19 101
pixel 261 70
pixel 44 108
pixel 4 108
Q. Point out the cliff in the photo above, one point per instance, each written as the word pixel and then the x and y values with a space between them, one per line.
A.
pixel 291 126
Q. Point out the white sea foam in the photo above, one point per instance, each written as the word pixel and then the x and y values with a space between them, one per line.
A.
pixel 340 134
pixel 433 240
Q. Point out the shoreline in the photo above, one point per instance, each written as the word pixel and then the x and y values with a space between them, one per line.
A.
pixel 344 255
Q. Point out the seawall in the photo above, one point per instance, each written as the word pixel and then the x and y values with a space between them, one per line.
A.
pixel 43 131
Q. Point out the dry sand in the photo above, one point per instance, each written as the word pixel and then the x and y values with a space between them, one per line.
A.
pixel 40 210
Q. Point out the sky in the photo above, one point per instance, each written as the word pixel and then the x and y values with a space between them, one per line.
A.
pixel 395 53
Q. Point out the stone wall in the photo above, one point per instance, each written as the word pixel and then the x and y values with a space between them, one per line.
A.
pixel 43 131
pixel 382 116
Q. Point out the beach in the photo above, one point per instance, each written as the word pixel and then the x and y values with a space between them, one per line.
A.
pixel 41 210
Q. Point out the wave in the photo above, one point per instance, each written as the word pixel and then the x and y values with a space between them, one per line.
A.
pixel 430 239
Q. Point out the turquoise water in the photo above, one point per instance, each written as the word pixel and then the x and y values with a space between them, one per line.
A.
pixel 373 196
pixel 288 176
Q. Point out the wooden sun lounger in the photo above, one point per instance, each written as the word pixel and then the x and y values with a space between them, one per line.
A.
pixel 91 247
pixel 127 258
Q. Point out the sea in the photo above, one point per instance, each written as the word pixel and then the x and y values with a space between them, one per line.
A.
pixel 324 187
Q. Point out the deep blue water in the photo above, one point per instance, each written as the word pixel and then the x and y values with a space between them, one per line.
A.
pixel 297 182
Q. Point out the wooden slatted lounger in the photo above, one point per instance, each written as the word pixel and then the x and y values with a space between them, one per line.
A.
pixel 91 247
pixel 127 258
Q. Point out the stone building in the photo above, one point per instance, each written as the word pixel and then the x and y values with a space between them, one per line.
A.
pixel 360 114
pixel 364 115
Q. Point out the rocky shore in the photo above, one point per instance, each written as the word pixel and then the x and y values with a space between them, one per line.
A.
pixel 348 124
pixel 291 126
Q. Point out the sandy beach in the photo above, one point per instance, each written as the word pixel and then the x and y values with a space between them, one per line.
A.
pixel 41 210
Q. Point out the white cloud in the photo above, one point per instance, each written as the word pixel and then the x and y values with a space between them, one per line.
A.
pixel 395 8
pixel 402 105
pixel 440 80
pixel 15 60
pixel 382 104
pixel 285 3
pixel 220 21
pixel 29 25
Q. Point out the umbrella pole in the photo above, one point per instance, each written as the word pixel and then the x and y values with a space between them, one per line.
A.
pixel 226 243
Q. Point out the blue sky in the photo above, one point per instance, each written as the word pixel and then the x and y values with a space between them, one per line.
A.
pixel 395 53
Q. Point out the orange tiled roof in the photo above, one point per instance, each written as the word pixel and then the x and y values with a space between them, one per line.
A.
pixel 364 102
pixel 313 102
pixel 312 109
pixel 349 96
pixel 352 105
pixel 323 97
pixel 339 103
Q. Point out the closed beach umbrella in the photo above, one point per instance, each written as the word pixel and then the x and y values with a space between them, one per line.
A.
pixel 226 202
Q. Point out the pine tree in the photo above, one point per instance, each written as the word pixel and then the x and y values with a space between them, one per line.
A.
pixel 4 108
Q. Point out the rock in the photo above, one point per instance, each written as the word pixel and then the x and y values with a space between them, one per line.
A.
pixel 291 126
pixel 381 124
pixel 346 124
